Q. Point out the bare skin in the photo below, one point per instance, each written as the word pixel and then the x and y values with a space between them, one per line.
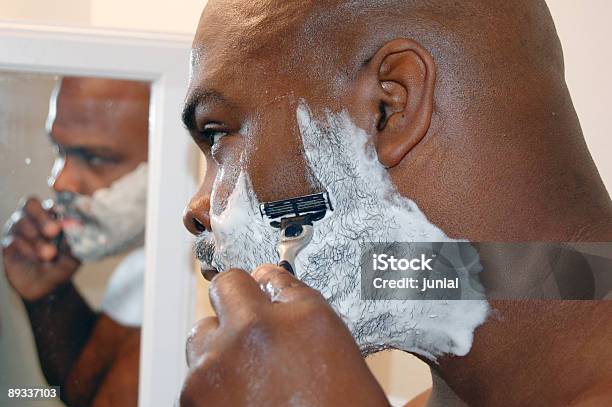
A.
pixel 100 131
pixel 479 130
pixel 245 334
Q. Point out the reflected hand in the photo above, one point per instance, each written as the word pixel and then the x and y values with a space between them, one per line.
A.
pixel 280 345
pixel 34 264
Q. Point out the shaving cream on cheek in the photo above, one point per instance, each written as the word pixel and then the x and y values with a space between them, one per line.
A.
pixel 242 239
pixel 110 221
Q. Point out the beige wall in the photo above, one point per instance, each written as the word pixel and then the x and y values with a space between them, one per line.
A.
pixel 585 31
pixel 47 11
pixel 157 15
pixel 179 16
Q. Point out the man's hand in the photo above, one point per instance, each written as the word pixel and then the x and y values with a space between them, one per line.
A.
pixel 34 264
pixel 274 342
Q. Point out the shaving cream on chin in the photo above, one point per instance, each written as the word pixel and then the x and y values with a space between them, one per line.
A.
pixel 110 221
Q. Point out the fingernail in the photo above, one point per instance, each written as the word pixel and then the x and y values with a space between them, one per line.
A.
pixel 48 252
pixel 51 229
pixel 262 269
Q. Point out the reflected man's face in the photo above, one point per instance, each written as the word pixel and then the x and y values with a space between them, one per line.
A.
pixel 100 129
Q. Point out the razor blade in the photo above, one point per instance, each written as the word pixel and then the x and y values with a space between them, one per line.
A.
pixel 310 208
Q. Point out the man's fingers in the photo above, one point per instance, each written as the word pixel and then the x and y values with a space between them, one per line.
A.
pixel 46 251
pixel 66 260
pixel 26 228
pixel 200 337
pixel 21 248
pixel 59 271
pixel 234 294
pixel 269 274
pixel 280 285
pixel 46 223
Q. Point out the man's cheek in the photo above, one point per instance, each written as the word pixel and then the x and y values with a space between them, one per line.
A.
pixel 232 213
pixel 242 238
pixel 228 150
pixel 279 173
pixel 222 187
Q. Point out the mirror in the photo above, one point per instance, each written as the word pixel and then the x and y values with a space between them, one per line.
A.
pixel 73 152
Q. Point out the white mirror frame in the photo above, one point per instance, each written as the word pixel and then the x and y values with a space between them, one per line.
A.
pixel 173 171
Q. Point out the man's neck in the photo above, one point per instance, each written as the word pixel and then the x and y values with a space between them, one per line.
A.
pixel 535 353
pixel 541 353
pixel 595 230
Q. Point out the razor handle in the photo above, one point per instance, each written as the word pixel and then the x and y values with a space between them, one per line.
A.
pixel 294 238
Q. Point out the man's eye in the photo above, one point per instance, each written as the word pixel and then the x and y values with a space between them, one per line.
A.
pixel 211 137
pixel 94 160
pixel 97 161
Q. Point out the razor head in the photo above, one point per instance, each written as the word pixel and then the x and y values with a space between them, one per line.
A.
pixel 308 208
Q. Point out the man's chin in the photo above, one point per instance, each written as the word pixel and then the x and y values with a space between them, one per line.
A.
pixel 208 271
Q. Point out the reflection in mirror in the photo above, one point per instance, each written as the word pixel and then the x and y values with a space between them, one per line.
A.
pixel 73 153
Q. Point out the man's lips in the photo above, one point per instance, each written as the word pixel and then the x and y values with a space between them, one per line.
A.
pixel 208 271
pixel 67 223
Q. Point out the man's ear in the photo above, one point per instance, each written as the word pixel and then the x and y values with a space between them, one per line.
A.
pixel 406 82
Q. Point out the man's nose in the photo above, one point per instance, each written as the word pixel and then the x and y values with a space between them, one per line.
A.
pixel 196 216
pixel 65 179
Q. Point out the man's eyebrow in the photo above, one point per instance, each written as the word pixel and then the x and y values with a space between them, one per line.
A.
pixel 95 150
pixel 196 98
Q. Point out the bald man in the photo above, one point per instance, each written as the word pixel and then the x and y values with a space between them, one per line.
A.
pixel 459 113
pixel 99 128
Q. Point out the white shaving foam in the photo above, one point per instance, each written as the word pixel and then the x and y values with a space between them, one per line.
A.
pixel 370 209
pixel 242 238
pixel 110 221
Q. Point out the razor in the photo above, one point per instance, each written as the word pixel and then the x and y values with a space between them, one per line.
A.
pixel 295 217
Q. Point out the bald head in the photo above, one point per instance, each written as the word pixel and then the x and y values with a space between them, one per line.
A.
pixel 467 96
pixel 88 98
pixel 102 88
pixel 336 37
